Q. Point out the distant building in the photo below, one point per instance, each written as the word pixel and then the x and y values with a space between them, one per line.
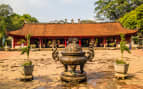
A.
pixel 44 34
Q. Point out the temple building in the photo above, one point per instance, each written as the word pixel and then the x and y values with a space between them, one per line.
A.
pixel 45 34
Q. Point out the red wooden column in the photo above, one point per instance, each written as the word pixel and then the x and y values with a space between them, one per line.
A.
pixel 80 43
pixel 104 42
pixel 13 42
pixel 65 43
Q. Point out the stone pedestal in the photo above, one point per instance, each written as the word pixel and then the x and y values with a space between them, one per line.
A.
pixel 27 78
pixel 75 77
pixel 120 76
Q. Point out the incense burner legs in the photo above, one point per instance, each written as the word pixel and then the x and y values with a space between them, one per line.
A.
pixel 73 75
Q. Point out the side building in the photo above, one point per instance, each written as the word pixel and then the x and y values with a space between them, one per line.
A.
pixel 45 34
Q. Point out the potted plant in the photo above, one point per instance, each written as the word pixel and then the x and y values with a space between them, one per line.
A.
pixel 121 66
pixel 28 66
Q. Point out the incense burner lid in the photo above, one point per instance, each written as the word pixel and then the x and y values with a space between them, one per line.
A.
pixel 73 47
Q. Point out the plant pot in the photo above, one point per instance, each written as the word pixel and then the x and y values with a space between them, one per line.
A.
pixel 28 70
pixel 121 68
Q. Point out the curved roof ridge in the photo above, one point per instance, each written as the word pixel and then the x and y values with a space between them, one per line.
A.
pixel 72 23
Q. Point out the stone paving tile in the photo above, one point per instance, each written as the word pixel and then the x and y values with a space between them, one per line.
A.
pixel 47 72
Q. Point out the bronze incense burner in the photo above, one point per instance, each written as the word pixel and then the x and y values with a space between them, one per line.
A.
pixel 73 59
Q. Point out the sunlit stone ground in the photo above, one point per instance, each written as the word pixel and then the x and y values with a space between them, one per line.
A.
pixel 47 71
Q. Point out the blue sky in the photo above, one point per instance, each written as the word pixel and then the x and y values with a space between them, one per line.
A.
pixel 48 10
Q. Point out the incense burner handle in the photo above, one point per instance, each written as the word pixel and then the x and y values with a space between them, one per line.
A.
pixel 55 54
pixel 90 53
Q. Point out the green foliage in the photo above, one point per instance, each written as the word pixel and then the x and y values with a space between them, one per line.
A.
pixel 27 63
pixel 12 20
pixel 21 41
pixel 120 62
pixel 27 49
pixel 5 10
pixel 123 46
pixel 2 31
pixel 114 9
pixel 16 21
pixel 87 21
pixel 2 26
pixel 135 39
pixel 112 44
pixel 133 19
pixel 96 41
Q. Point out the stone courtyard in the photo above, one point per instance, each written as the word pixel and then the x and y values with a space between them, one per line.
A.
pixel 47 72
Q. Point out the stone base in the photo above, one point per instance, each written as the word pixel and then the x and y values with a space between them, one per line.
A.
pixel 120 76
pixel 73 77
pixel 27 78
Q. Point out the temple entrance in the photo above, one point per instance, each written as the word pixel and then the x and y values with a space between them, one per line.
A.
pixel 111 42
pixel 34 43
pixel 99 42
pixel 84 42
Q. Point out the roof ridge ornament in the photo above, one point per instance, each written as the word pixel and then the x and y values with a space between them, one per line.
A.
pixel 72 21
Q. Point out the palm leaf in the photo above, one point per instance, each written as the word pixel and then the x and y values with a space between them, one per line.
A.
pixel 24 50
pixel 27 49
pixel 127 49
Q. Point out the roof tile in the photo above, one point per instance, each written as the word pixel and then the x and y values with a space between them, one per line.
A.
pixel 60 30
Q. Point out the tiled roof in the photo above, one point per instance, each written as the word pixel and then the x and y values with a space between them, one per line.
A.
pixel 70 30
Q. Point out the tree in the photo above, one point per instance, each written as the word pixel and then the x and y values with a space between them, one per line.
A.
pixel 133 19
pixel 5 10
pixel 129 20
pixel 29 18
pixel 2 32
pixel 16 21
pixel 12 20
pixel 114 9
